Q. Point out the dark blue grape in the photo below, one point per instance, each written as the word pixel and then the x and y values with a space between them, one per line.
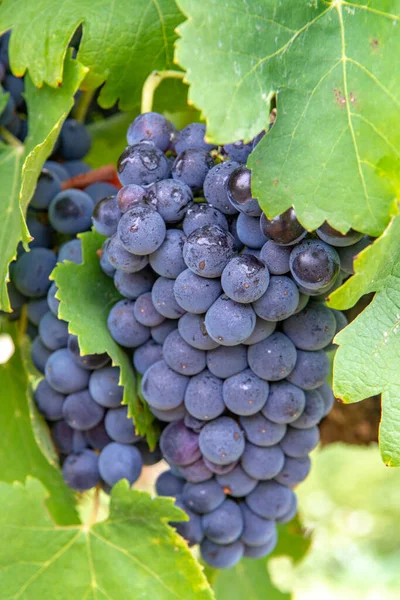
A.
pixel 229 323
pixel 70 212
pixel 261 331
pixel 215 186
pixel 32 271
pixel 245 278
pixel 261 431
pixel 239 150
pixel 327 396
pixel 249 232
pixel 202 214
pixel 196 294
pixel 341 322
pixel 238 242
pixel 52 301
pixel 98 437
pixel 142 164
pixel 298 443
pixel 39 354
pixel 62 435
pixel 163 388
pixel 262 462
pixel 130 196
pixel 49 401
pixel 160 332
pixel 145 311
pixel 133 285
pixel 203 396
pixel 311 329
pixel 193 330
pixel 119 426
pixel 106 216
pixel 260 551
pixel 197 472
pixel 314 265
pixel 333 237
pixel 313 411
pixel 99 190
pixel 81 470
pixel 225 361
pixel 294 471
pixel 223 525
pixel 279 301
pixel 149 457
pixel 168 484
pixel 193 423
pixel 191 167
pixel 245 393
pixel 221 557
pixel 273 358
pixel 290 513
pixel 40 232
pixel 168 416
pixel 81 412
pixel 237 483
pixel 63 374
pixel 256 530
pixel 167 260
pixel 276 257
pixel 76 167
pixel 311 369
pixel 303 301
pixel 75 140
pixel 270 500
pixel 222 441
pixel 284 230
pixel 164 299
pixel 208 250
pixel 191 136
pixel 239 192
pixel 203 497
pixel 53 332
pixel 125 329
pixel 190 530
pixel 57 169
pixel 141 230
pixel 121 259
pixel 348 254
pixel 48 186
pixel 285 403
pixel 220 469
pixel 179 445
pixel 72 251
pixel 86 361
pixel 171 198
pixel 120 461
pixel 153 127
pixel 36 309
pixel 104 387
pixel 16 86
pixel 181 357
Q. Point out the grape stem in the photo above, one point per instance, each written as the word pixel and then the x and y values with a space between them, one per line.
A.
pixel 83 104
pixel 151 84
pixel 106 173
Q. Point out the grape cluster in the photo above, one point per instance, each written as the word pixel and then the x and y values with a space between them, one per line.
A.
pixel 223 308
pixel 80 396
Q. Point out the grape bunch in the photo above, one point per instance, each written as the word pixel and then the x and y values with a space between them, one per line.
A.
pixel 80 396
pixel 224 311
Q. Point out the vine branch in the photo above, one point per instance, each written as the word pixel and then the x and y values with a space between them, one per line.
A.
pixel 151 84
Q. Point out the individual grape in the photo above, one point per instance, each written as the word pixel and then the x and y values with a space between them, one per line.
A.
pixel 208 250
pixel 239 150
pixel 256 531
pixel 203 497
pixel 303 301
pixel 201 214
pixel 191 167
pixel 279 301
pixel 81 412
pixel 53 332
pixel 222 441
pixel 39 354
pixel 334 238
pixel 260 551
pixel 49 402
pixel 223 525
pixel 130 196
pixel 196 294
pixel 16 86
pixel 81 471
pixel 311 369
pixel 312 328
pixel 167 260
pixel 261 431
pixel 149 457
pixel 104 387
pixel 229 323
pixel 119 427
pixel 153 127
pixel 289 514
pixel 163 388
pixel 298 443
pixel 70 212
pixel 294 471
pixel 141 230
pixel 262 462
pixel 314 264
pixel 168 484
pixel 76 167
pixel 74 139
pixel 348 254
pixel 225 361
pixel 270 500
pixel 276 257
pixel 181 357
pixel 249 232
pixel 171 198
pixel 17 301
pixel 164 299
pixel 285 403
pixel 261 331
pixel 120 461
pixel 221 557
pixel 36 309
pixel 106 216
pixel 134 285
pixel 274 358
pixel 191 136
pixel 327 396
pixel 160 332
pixel 179 445
pixel 193 423
pixel 203 396
pixel 62 435
pixel 190 530
pixel 124 327
pixel 313 411
pixel 86 361
pixel 245 278
pixel 48 186
pixel 122 260
pixel 142 164
pixel 215 186
pixel 98 437
pixel 193 330
pixel 99 190
pixel 196 472
pixel 238 242
pixel 236 483
pixel 146 355
pixel 168 416
pixel 245 393
pixel 72 251
pixel 284 230
pixel 39 231
pixel 57 169
pixel 251 251
pixel 220 469
pixel 145 311
pixel 52 302
pixel 64 375
pixel 32 271
pixel 239 192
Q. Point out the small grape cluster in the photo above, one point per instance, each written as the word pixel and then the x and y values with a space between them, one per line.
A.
pixel 224 310
pixel 80 396
pixel 13 117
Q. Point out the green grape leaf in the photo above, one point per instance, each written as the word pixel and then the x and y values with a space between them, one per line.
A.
pixel 330 67
pixel 121 42
pixel 251 579
pixel 20 164
pixel 134 553
pixel 86 296
pixel 368 358
pixel 20 455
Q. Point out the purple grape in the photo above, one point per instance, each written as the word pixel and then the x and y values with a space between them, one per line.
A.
pixel 142 164
pixel 298 443
pixel 196 294
pixel 153 127
pixel 245 393
pixel 239 192
pixel 171 198
pixel 236 483
pixel 203 396
pixel 215 186
pixel 284 230
pixel 163 388
pixel 274 358
pixel 223 525
pixel 208 250
pixel 167 260
pixel 311 369
pixel 279 301
pixel 294 471
pixel 133 285
pixel 145 312
pixel 222 441
pixel 245 278
pixel 164 299
pixel 124 327
pixel 270 500
pixel 229 323
pixel 261 431
pixel 202 214
pixel 221 557
pixel 285 403
pixel 179 445
pixel 225 361
pixel 191 167
pixel 203 497
pixel 141 230
pixel 193 330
